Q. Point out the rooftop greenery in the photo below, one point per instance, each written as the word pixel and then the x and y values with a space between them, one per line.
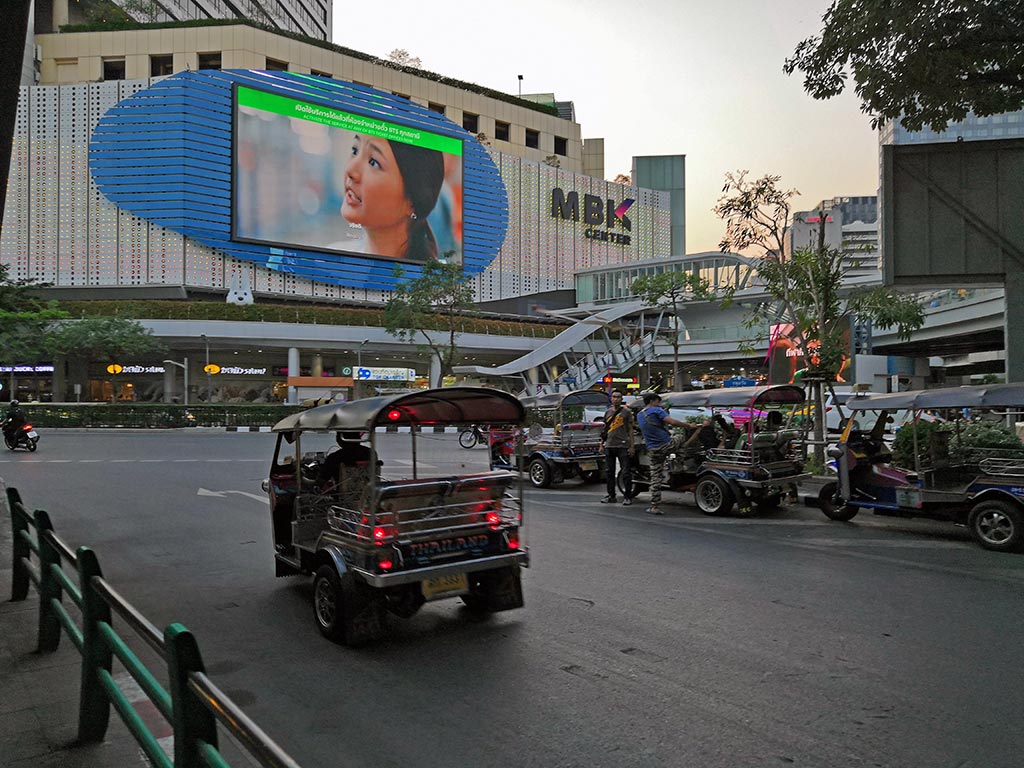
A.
pixel 123 25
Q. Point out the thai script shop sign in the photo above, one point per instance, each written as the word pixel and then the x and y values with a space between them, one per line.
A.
pixel 382 374
pixel 600 216
pixel 223 370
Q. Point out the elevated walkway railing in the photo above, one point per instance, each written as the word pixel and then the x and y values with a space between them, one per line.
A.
pixel 191 703
pixel 591 369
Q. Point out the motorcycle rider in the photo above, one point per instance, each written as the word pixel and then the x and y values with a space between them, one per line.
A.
pixel 14 420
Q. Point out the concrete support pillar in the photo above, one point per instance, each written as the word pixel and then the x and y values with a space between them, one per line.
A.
pixel 435 371
pixel 317 369
pixel 169 373
pixel 1013 339
pixel 293 370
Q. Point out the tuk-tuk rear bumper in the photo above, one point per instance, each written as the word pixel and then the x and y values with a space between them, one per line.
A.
pixel 521 558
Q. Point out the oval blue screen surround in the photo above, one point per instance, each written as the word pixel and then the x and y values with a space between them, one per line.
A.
pixel 167 155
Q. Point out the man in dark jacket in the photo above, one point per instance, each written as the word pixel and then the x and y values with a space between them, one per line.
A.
pixel 617 443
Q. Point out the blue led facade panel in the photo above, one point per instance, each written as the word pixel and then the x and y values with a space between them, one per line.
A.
pixel 259 166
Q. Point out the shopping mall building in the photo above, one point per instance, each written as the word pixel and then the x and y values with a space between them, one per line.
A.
pixel 208 162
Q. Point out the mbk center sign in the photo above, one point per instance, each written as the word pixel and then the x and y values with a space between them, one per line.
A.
pixel 600 215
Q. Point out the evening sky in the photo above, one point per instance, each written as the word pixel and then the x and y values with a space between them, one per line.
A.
pixel 650 77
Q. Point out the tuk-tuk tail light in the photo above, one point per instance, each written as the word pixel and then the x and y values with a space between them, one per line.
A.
pixel 513 540
pixel 385 564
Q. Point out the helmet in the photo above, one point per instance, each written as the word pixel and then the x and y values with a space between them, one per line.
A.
pixel 14 403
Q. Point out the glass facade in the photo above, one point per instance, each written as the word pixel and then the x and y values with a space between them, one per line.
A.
pixel 611 285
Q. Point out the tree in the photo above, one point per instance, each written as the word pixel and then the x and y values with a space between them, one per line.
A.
pixel 101 338
pixel 438 297
pixel 669 290
pixel 926 62
pixel 553 161
pixel 808 286
pixel 623 178
pixel 146 11
pixel 402 58
pixel 24 319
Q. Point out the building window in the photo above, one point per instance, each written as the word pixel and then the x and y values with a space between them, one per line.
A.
pixel 161 65
pixel 532 139
pixel 561 146
pixel 209 60
pixel 435 107
pixel 113 69
pixel 471 122
pixel 273 65
pixel 501 130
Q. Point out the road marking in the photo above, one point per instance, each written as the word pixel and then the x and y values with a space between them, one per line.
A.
pixel 220 494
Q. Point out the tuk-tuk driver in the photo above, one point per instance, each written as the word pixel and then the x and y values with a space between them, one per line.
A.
pixel 348 466
pixel 652 421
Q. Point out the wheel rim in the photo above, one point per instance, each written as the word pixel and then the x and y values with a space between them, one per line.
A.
pixel 467 440
pixel 709 497
pixel 537 473
pixel 324 600
pixel 994 526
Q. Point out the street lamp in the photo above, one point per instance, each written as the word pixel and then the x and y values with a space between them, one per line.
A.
pixel 184 367
pixel 359 364
pixel 209 378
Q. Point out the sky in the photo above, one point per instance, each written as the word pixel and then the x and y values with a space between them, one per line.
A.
pixel 651 77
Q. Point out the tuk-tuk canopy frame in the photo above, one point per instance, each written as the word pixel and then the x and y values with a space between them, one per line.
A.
pixel 973 396
pixel 556 400
pixel 451 405
pixel 737 397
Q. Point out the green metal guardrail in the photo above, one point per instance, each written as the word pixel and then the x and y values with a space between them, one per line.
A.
pixel 193 705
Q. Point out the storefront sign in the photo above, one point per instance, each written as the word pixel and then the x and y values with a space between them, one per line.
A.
pixel 385 374
pixel 26 369
pixel 282 370
pixel 234 370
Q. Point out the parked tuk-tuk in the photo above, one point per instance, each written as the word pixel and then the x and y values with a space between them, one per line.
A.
pixel 980 489
pixel 574 448
pixel 393 517
pixel 755 469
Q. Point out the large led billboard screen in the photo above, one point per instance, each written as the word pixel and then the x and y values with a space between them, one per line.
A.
pixel 312 177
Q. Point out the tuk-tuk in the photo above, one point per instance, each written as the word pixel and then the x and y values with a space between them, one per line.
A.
pixel 980 489
pixel 755 469
pixel 574 449
pixel 393 517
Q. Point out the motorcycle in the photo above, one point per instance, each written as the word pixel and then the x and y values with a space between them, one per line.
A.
pixel 20 437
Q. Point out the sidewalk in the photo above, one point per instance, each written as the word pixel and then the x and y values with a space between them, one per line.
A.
pixel 39 692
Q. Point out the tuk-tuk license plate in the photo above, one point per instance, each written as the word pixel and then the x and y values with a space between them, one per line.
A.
pixel 588 466
pixel 444 586
pixel 909 498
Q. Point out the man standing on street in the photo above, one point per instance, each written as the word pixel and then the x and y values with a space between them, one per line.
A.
pixel 652 421
pixel 617 443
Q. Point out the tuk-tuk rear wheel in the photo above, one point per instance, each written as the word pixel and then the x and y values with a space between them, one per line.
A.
pixel 998 525
pixel 833 507
pixel 714 496
pixel 346 611
pixel 540 473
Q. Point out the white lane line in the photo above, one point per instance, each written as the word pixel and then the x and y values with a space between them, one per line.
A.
pixel 123 461
pixel 90 461
pixel 185 461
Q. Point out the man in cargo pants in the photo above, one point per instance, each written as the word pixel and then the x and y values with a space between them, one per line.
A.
pixel 653 420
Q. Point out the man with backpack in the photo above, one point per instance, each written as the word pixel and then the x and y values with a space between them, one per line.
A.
pixel 617 443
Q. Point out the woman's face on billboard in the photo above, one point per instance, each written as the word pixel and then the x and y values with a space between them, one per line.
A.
pixel 374 191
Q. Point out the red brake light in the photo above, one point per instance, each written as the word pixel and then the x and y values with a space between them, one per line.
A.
pixel 27 427
pixel 493 519
pixel 394 414
pixel 380 533
pixel 385 565
pixel 513 541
